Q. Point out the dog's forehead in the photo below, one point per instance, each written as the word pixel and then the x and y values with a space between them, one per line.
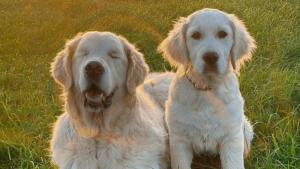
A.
pixel 209 18
pixel 101 41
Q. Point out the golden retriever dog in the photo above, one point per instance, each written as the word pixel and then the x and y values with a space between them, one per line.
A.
pixel 204 111
pixel 111 119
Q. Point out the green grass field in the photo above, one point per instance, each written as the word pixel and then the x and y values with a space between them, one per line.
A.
pixel 33 31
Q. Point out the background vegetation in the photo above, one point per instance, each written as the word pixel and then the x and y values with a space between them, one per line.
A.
pixel 33 31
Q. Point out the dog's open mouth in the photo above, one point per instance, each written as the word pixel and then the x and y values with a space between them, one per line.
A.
pixel 96 100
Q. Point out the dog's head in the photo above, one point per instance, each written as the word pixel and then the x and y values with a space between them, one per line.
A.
pixel 99 68
pixel 210 39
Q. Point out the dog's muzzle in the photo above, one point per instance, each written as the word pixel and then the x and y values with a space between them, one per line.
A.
pixel 210 59
pixel 95 98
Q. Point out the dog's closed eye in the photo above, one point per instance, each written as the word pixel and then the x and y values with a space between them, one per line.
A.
pixel 84 52
pixel 113 55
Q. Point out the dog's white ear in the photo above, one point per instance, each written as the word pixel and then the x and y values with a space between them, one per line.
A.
pixel 61 68
pixel 137 67
pixel 243 44
pixel 174 47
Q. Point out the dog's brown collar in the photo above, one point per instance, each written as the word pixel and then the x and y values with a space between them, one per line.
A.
pixel 206 88
pixel 189 67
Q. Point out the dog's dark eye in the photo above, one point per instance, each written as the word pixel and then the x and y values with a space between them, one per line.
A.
pixel 196 36
pixel 222 34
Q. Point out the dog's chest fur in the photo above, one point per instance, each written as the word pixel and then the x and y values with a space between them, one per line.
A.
pixel 110 149
pixel 206 117
pixel 125 151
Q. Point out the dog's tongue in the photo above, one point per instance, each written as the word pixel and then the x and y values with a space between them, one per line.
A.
pixel 94 97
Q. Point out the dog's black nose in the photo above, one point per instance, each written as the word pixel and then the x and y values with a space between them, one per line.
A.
pixel 210 58
pixel 94 69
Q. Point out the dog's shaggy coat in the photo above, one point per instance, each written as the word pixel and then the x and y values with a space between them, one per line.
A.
pixel 111 119
pixel 204 111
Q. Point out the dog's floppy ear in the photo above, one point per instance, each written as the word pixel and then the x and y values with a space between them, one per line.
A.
pixel 243 44
pixel 137 67
pixel 61 68
pixel 174 47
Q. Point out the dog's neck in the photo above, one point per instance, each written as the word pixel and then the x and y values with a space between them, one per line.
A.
pixel 203 82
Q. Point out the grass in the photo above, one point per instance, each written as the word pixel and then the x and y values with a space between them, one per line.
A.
pixel 33 31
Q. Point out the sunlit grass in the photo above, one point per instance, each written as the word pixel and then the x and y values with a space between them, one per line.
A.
pixel 32 32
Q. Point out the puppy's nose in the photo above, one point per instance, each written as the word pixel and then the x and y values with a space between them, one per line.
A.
pixel 94 69
pixel 210 58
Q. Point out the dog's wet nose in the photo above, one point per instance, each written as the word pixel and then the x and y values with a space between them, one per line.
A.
pixel 94 69
pixel 210 58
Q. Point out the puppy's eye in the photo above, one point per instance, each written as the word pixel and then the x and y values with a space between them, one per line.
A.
pixel 196 36
pixel 222 34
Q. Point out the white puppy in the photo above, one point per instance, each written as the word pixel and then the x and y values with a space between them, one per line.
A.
pixel 110 122
pixel 205 107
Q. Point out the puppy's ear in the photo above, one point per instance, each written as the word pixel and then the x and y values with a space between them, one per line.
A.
pixel 137 67
pixel 61 68
pixel 243 44
pixel 174 47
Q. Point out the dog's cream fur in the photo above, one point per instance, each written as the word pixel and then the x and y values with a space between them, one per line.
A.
pixel 207 121
pixel 131 133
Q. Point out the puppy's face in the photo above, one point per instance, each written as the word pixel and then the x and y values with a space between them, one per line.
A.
pixel 99 68
pixel 209 39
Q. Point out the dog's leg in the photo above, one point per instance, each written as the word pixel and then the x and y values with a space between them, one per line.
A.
pixel 248 134
pixel 231 153
pixel 181 153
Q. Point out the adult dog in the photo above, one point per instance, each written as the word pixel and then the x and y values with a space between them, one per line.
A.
pixel 205 107
pixel 111 121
